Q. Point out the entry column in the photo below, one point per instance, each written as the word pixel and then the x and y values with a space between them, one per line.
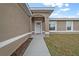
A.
pixel 46 26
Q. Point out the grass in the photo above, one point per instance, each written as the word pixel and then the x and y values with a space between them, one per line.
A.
pixel 63 44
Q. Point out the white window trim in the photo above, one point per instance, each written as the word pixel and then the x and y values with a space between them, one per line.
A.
pixel 55 26
pixel 71 27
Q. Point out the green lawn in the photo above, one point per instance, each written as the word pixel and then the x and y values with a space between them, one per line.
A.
pixel 63 44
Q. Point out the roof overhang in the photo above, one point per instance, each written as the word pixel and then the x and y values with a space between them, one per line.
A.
pixel 25 8
pixel 64 18
pixel 42 9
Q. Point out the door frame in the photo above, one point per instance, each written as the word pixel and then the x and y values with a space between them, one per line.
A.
pixel 35 26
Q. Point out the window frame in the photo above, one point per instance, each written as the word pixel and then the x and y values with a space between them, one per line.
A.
pixel 55 25
pixel 71 25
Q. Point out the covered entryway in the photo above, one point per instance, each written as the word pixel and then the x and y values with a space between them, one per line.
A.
pixel 38 25
pixel 40 20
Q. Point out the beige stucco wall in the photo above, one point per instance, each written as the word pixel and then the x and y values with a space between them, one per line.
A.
pixel 46 24
pixel 76 25
pixel 43 25
pixel 9 49
pixel 13 22
pixel 61 25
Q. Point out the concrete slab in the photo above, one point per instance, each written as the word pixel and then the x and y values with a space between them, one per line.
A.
pixel 37 47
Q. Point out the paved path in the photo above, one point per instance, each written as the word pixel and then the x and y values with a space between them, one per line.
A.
pixel 37 47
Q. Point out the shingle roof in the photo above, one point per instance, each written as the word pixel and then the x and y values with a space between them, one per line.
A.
pixel 64 18
pixel 42 9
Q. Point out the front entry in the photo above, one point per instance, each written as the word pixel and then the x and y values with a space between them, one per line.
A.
pixel 38 26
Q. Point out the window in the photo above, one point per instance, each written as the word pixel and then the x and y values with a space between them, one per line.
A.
pixel 69 25
pixel 52 25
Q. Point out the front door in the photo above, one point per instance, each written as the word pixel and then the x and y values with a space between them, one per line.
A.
pixel 38 26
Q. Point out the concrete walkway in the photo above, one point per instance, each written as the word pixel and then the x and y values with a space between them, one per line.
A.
pixel 37 47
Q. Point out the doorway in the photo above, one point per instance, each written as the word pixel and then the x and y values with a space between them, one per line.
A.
pixel 38 26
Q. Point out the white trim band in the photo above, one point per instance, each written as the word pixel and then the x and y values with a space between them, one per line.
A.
pixel 63 31
pixel 6 42
pixel 46 32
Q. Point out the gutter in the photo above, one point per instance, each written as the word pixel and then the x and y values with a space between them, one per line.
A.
pixel 25 7
pixel 29 8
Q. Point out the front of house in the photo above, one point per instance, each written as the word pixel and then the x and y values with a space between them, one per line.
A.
pixel 64 25
pixel 19 22
pixel 17 25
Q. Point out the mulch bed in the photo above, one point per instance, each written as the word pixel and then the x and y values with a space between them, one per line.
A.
pixel 20 51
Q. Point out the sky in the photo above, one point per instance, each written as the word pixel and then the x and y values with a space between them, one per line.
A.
pixel 61 10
